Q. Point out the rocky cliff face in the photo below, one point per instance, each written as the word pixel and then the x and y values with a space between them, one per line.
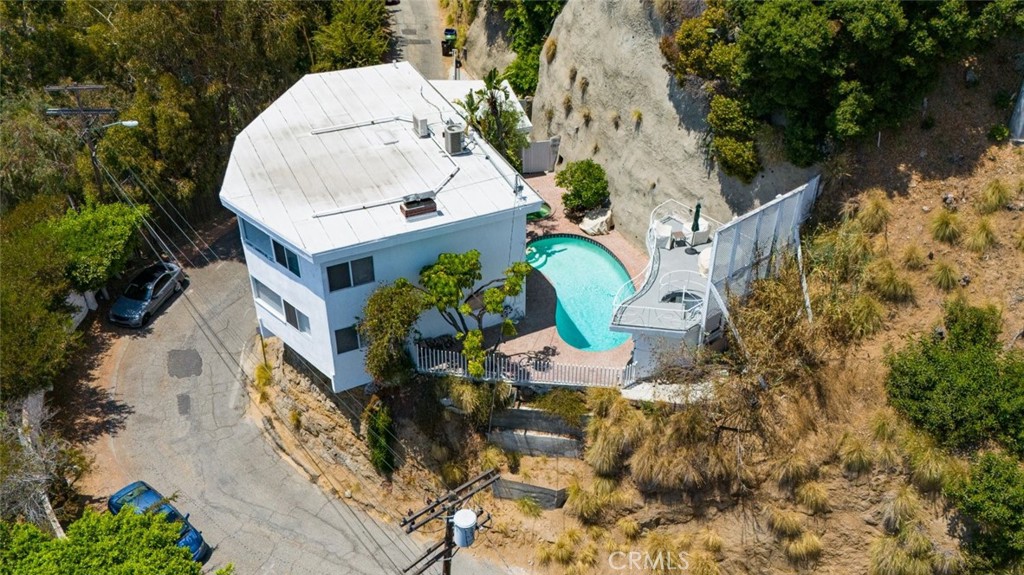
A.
pixel 607 95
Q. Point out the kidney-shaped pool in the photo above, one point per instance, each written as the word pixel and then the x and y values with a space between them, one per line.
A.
pixel 586 278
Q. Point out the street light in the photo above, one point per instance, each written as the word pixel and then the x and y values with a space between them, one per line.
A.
pixel 87 136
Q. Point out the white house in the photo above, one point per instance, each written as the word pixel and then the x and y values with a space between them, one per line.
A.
pixel 358 177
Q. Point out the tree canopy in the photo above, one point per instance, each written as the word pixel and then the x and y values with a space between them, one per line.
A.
pixel 529 22
pixel 826 71
pixel 492 111
pixel 122 544
pixel 388 318
pixel 98 241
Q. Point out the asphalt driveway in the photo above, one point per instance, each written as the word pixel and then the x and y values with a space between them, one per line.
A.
pixel 186 430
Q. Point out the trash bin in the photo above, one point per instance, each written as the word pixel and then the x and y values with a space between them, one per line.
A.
pixel 448 42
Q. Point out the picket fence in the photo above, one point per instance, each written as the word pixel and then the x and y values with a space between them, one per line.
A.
pixel 523 371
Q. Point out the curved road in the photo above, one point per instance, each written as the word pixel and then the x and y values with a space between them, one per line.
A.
pixel 188 433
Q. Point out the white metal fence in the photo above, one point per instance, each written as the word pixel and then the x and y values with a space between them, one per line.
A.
pixel 526 370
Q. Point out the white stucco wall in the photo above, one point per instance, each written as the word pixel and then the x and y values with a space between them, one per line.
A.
pixel 500 238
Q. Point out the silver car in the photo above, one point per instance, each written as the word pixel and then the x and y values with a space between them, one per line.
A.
pixel 147 291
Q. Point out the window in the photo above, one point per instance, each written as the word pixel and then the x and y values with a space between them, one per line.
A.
pixel 256 238
pixel 160 284
pixel 267 296
pixel 347 339
pixel 296 318
pixel 287 258
pixel 348 274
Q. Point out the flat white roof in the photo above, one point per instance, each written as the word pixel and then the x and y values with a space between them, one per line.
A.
pixel 327 165
pixel 457 89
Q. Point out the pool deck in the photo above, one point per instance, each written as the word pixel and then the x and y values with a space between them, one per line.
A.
pixel 537 330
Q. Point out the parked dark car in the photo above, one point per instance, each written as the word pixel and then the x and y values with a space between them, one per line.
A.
pixel 448 41
pixel 144 499
pixel 147 291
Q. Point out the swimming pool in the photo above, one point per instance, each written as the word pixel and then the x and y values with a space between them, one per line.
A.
pixel 586 278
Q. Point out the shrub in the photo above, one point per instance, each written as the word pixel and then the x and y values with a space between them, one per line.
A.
pixel 804 549
pixel 982 238
pixel 550 49
pixel 944 276
pixel 813 496
pixel 999 133
pixel 882 278
pixel 876 212
pixel 962 389
pixel 728 117
pixel 784 523
pixel 912 258
pixel 738 158
pixel 529 507
pixel 946 227
pixel 377 418
pixel 586 187
pixel 992 498
pixel 569 405
pixel 994 197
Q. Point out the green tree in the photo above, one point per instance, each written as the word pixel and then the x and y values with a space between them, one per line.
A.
pixel 36 339
pixel 586 187
pixel 359 34
pixel 992 499
pixel 493 112
pixel 388 318
pixel 99 240
pixel 528 24
pixel 452 286
pixel 122 544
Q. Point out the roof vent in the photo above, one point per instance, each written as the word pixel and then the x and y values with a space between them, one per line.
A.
pixel 419 126
pixel 418 207
pixel 453 139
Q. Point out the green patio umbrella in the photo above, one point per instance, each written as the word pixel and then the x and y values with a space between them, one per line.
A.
pixel 696 219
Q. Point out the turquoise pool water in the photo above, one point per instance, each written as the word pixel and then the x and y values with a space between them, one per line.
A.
pixel 585 278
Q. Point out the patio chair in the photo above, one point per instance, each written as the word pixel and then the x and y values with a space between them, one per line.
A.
pixel 663 236
pixel 701 236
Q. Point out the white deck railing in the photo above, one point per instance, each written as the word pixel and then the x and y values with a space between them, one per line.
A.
pixel 519 371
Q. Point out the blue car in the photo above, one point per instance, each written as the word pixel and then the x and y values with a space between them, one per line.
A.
pixel 148 290
pixel 144 498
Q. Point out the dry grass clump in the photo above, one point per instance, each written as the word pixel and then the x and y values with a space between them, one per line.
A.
pixel 550 49
pixel 616 119
pixel 842 251
pixel 884 426
pixel 601 399
pixel 908 553
pixel 913 258
pixel 994 197
pixel 700 564
pixel 584 84
pixel 855 456
pixel 572 75
pixel 638 117
pixel 900 509
pixel 946 227
pixel 888 456
pixel 710 540
pixel 664 551
pixel 944 276
pixel 982 238
pixel 875 213
pixel 629 527
pixel 928 469
pixel 562 551
pixel 529 507
pixel 882 278
pixel 491 457
pixel 948 563
pixel 453 474
pixel 784 523
pixel 805 548
pixel 814 496
pixel 866 315
pixel 567 103
pixel 792 470
pixel 587 116
pixel 587 505
pixel 264 376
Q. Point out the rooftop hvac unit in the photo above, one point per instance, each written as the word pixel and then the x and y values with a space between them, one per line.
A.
pixel 453 139
pixel 419 125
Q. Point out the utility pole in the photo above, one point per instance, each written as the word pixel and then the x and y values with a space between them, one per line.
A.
pixel 460 524
pixel 88 115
